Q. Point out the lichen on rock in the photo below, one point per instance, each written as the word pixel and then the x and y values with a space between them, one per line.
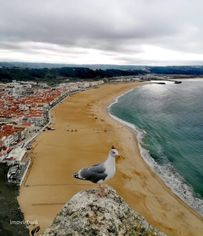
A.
pixel 88 214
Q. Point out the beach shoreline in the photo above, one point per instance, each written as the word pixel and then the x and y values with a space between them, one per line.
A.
pixel 45 191
pixel 135 130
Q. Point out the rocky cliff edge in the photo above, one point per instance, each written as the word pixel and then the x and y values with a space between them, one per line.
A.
pixel 88 214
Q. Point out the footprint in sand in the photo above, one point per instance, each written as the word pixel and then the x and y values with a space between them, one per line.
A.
pixel 126 177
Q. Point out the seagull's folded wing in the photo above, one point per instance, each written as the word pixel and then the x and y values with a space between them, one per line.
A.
pixel 93 173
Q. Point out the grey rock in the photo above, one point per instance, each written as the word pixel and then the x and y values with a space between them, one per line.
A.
pixel 88 214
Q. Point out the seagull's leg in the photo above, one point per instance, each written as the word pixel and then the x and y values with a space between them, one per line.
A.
pixel 105 187
pixel 102 192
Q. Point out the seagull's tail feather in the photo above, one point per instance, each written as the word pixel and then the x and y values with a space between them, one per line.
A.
pixel 77 176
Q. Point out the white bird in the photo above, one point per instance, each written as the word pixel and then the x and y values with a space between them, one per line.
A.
pixel 100 172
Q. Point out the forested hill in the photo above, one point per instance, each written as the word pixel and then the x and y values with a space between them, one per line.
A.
pixel 9 72
pixel 45 74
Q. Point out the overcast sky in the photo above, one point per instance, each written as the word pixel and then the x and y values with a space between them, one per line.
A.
pixel 155 32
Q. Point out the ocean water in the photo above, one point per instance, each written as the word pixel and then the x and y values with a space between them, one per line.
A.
pixel 168 121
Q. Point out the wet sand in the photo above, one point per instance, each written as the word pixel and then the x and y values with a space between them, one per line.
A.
pixel 83 136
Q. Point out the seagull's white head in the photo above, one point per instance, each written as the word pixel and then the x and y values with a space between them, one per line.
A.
pixel 114 152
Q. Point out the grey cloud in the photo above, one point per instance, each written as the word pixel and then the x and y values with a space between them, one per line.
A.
pixel 114 26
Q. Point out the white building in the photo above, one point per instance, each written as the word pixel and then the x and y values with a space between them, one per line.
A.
pixel 10 139
pixel 16 155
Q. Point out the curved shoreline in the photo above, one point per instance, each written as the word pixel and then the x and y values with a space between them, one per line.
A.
pixel 135 130
pixel 59 153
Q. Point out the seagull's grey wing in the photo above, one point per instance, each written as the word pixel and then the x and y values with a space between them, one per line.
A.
pixel 99 168
pixel 93 173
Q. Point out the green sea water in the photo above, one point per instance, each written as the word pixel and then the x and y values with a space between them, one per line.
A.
pixel 168 120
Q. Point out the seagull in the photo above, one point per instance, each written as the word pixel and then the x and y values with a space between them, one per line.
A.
pixel 100 172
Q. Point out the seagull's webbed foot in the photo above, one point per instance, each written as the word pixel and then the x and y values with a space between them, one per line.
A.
pixel 103 192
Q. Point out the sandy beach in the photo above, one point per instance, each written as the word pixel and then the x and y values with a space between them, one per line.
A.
pixel 83 135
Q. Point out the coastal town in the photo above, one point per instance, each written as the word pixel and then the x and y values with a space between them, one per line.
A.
pixel 24 113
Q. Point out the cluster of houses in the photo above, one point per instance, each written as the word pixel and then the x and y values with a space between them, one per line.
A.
pixel 24 111
pixel 11 134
